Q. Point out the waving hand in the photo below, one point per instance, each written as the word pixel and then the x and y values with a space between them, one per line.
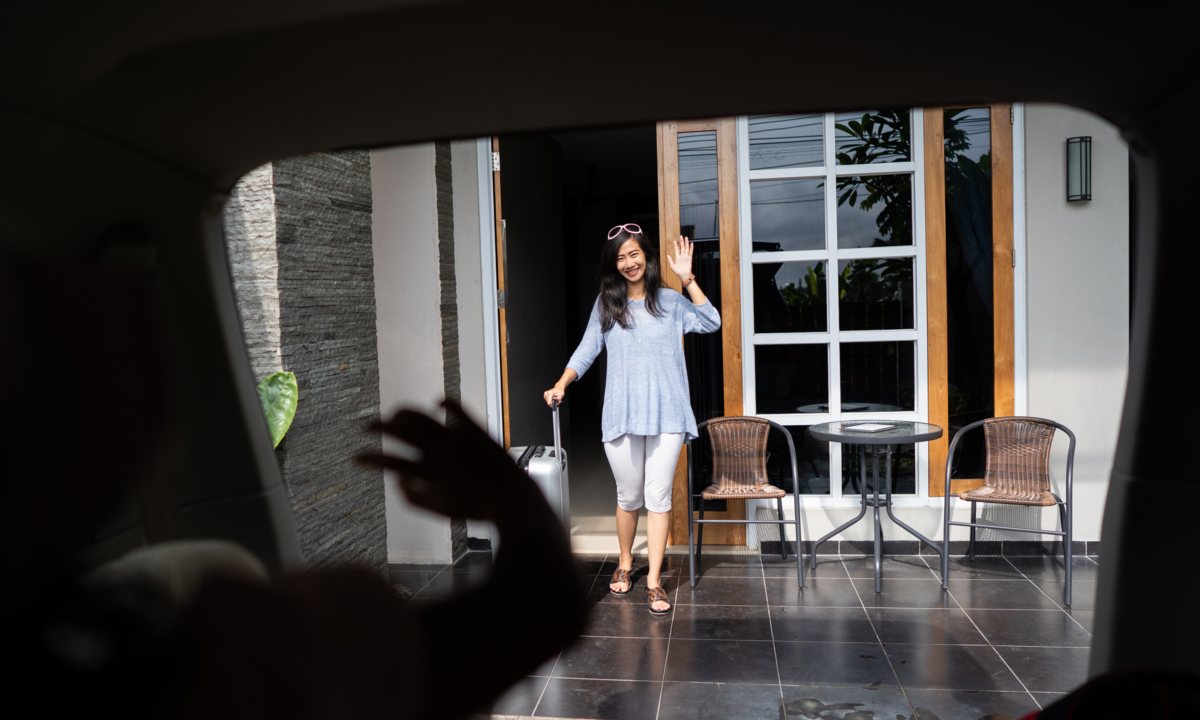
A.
pixel 681 263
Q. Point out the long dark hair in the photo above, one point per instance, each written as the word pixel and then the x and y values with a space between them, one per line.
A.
pixel 613 286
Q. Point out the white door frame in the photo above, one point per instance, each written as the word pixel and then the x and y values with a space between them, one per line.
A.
pixel 491 313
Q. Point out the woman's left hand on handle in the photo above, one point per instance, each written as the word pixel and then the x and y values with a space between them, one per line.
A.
pixel 681 263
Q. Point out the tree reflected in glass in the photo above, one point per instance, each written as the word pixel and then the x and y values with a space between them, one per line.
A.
pixel 789 297
pixel 876 294
pixel 875 137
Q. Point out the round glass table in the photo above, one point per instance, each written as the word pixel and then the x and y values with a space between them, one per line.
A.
pixel 900 432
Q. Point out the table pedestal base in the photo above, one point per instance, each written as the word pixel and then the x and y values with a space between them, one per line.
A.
pixel 874 502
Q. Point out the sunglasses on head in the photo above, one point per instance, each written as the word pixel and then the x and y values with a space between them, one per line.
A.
pixel 628 227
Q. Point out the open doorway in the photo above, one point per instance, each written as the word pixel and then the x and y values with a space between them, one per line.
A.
pixel 609 177
pixel 561 193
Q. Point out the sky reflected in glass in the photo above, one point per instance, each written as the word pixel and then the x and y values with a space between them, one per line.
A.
pixel 874 211
pixel 789 213
pixel 698 207
pixel 786 141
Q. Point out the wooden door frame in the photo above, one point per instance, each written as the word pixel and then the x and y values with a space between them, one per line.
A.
pixel 501 277
pixel 731 293
pixel 1003 262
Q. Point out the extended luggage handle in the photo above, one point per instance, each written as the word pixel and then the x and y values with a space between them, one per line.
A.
pixel 557 435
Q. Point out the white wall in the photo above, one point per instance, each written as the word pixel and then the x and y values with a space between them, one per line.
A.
pixel 468 274
pixel 409 325
pixel 1078 299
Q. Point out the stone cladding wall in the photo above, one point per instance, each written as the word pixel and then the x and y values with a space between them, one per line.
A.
pixel 298 233
pixel 451 368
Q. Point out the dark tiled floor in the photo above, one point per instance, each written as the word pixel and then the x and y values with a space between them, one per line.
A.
pixel 747 643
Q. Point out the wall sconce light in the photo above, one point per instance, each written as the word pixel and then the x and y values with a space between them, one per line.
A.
pixel 1079 168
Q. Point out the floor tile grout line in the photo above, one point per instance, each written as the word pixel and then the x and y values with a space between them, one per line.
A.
pixel 418 590
pixel 993 647
pixel 828 642
pixel 879 640
pixel 597 679
pixel 1044 647
pixel 436 575
pixel 932 571
pixel 769 684
pixel 1039 587
pixel 862 604
pixel 550 677
pixel 430 581
pixel 771 625
pixel 662 687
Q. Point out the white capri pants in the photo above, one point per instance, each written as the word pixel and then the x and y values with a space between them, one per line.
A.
pixel 644 467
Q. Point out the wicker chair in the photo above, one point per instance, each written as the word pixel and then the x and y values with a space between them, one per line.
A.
pixel 739 471
pixel 1018 473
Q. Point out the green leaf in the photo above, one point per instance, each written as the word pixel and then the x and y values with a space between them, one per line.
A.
pixel 279 395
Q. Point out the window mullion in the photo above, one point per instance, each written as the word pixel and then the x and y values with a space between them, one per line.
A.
pixel 831 294
pixel 917 135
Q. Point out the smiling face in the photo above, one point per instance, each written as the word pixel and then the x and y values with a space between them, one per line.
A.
pixel 631 262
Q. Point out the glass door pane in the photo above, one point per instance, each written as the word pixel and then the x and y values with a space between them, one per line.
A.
pixel 874 211
pixel 970 316
pixel 788 214
pixel 791 379
pixel 834 256
pixel 699 212
pixel 878 377
pixel 789 297
pixel 873 136
pixel 876 294
pixel 786 141
pixel 699 220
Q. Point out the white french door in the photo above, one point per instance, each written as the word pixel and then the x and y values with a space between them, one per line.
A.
pixel 832 239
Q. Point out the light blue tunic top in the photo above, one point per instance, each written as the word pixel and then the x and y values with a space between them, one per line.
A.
pixel 646 390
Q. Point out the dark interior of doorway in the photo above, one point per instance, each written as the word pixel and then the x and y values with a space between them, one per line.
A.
pixel 561 193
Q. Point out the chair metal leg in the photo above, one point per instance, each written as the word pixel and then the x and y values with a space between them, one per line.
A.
pixel 691 540
pixel 1062 517
pixel 799 543
pixel 971 547
pixel 878 525
pixel 1070 562
pixel 782 534
pixel 700 532
pixel 946 543
pixel 1068 550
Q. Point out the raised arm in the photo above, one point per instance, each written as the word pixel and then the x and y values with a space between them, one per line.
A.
pixel 700 316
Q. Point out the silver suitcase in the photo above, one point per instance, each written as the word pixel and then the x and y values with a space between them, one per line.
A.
pixel 547 466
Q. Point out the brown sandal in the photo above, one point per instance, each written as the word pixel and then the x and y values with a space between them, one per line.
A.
pixel 657 594
pixel 621 575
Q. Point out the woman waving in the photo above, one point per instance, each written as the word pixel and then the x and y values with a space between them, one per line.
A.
pixel 647 407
